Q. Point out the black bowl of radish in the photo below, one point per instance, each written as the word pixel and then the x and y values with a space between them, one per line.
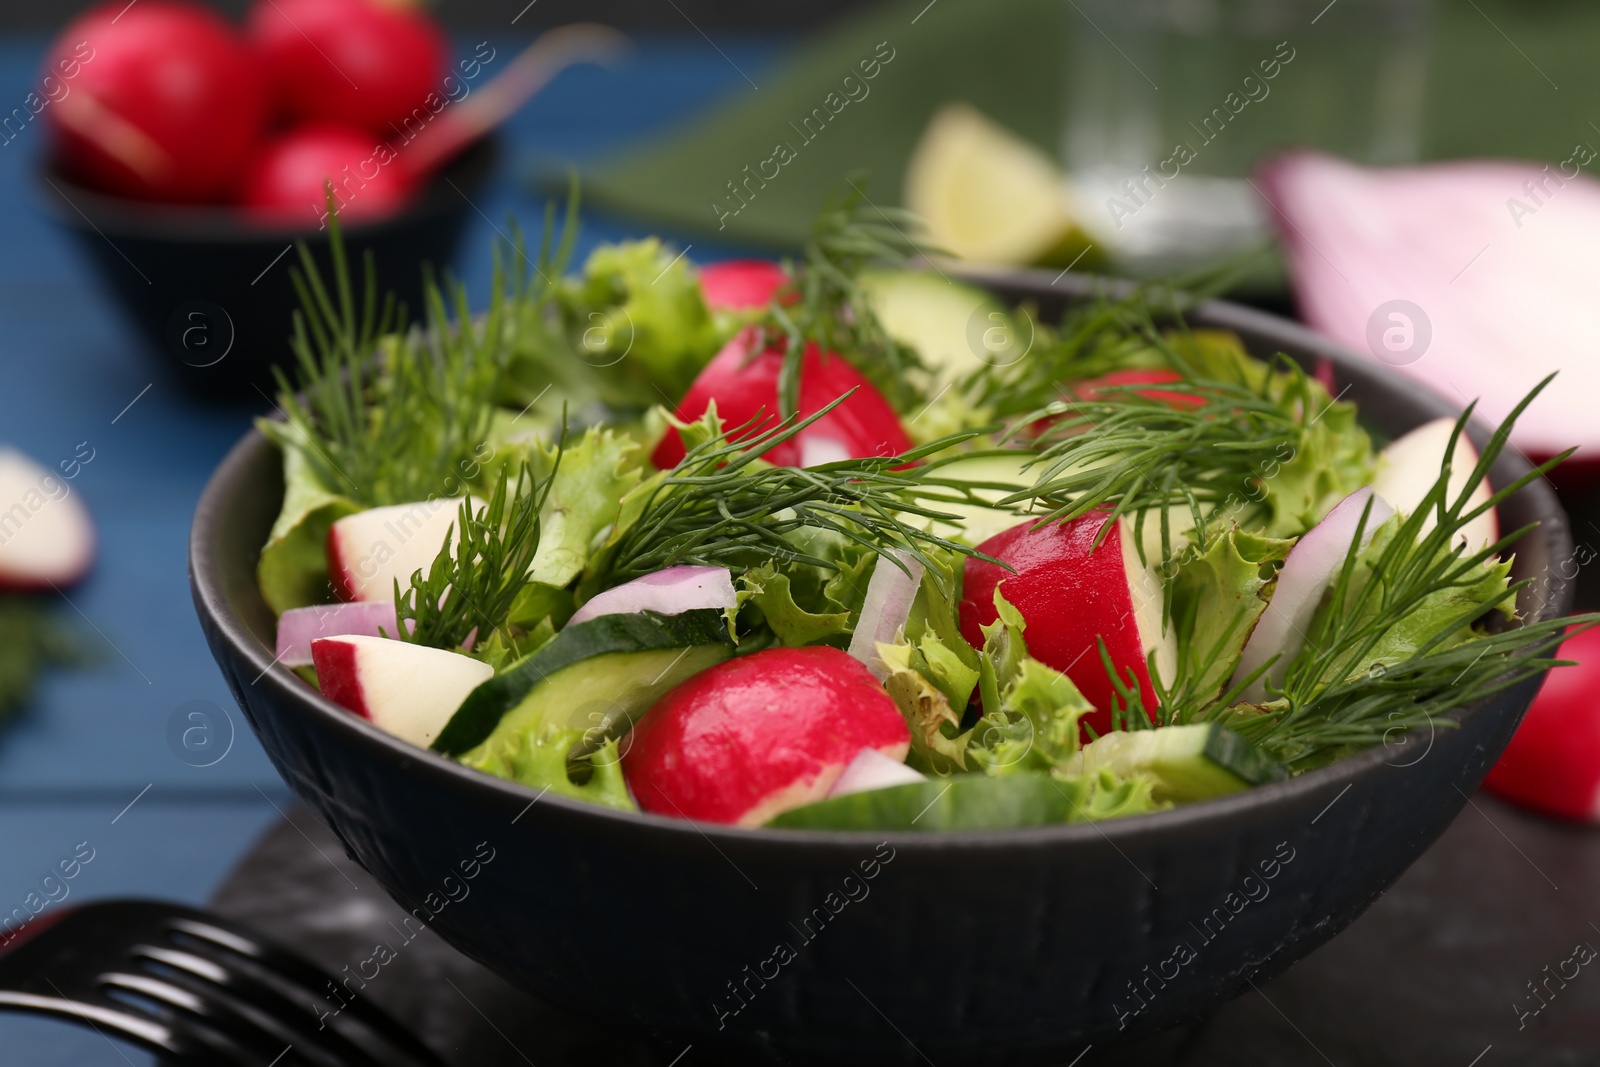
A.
pixel 1019 946
pixel 210 290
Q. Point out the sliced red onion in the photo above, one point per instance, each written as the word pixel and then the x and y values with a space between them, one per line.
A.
pixel 871 769
pixel 815 450
pixel 669 592
pixel 1312 565
pixel 886 608
pixel 1470 277
pixel 300 626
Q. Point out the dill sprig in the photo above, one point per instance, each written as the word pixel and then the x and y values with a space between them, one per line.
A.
pixel 1131 452
pixel 471 584
pixel 31 641
pixel 850 236
pixel 384 415
pixel 720 507
pixel 1335 699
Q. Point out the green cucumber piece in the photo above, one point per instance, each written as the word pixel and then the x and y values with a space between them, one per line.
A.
pixel 937 317
pixel 1187 763
pixel 967 802
pixel 593 675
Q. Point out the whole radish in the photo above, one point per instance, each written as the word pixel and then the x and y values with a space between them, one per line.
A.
pixel 1553 762
pixel 360 62
pixel 166 103
pixel 285 181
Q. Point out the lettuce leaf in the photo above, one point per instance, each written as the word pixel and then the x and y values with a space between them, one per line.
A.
pixel 293 568
pixel 773 591
pixel 638 313
pixel 1217 598
pixel 540 761
pixel 584 501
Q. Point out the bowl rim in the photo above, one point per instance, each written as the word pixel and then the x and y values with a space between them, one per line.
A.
pixel 205 563
pixel 73 204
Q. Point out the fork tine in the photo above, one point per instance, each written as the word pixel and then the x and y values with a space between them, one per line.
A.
pixel 255 997
pixel 315 981
pixel 258 1035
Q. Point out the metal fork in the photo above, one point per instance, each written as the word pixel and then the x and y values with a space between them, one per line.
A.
pixel 195 990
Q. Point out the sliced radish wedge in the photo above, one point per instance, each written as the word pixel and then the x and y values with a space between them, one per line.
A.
pixel 46 536
pixel 669 592
pixel 1074 595
pixel 1472 278
pixel 870 770
pixel 1312 565
pixel 1410 466
pixel 371 550
pixel 1553 762
pixel 890 593
pixel 300 626
pixel 409 690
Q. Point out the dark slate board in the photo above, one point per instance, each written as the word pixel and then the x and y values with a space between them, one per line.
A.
pixel 1435 972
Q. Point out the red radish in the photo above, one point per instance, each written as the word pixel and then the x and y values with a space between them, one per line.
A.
pixel 359 62
pixel 1119 383
pixel 46 538
pixel 1410 465
pixel 1310 568
pixel 1072 595
pixel 409 690
pixel 299 627
pixel 669 592
pixel 1472 278
pixel 755 736
pixel 743 380
pixel 167 102
pixel 371 550
pixel 890 594
pixel 1553 762
pixel 285 181
pixel 741 284
pixel 873 770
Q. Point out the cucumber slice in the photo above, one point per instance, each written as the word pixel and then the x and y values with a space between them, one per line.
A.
pixel 944 321
pixel 1187 762
pixel 596 675
pixel 967 802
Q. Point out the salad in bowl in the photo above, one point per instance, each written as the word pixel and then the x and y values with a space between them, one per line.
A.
pixel 842 543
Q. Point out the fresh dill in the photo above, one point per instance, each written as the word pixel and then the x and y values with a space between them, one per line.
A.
pixel 720 506
pixel 830 308
pixel 32 640
pixel 383 414
pixel 472 583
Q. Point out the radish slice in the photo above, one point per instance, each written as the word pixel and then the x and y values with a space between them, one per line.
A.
pixel 870 770
pixel 815 451
pixel 1409 467
pixel 46 538
pixel 890 593
pixel 1488 266
pixel 669 592
pixel 1312 565
pixel 300 626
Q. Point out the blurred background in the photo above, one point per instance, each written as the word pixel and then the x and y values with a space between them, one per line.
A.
pixel 139 321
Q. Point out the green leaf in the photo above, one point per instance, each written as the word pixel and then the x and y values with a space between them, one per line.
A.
pixel 639 316
pixel 583 502
pixel 32 639
pixel 1217 598
pixel 771 590
pixel 937 746
pixel 1332 459
pixel 293 569
pixel 545 760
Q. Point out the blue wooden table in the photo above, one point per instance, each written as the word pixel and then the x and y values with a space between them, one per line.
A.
pixel 91 762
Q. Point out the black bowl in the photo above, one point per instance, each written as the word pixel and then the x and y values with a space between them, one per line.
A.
pixel 211 293
pixel 780 947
